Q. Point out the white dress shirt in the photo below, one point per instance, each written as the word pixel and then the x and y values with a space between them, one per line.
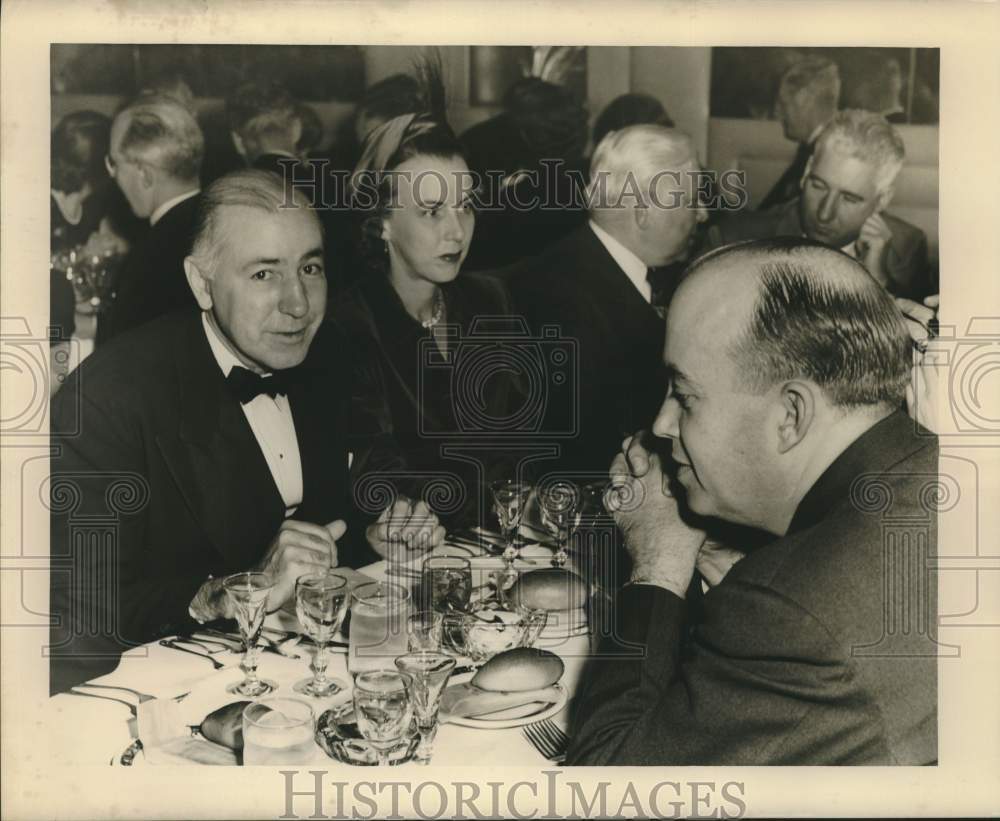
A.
pixel 272 425
pixel 157 215
pixel 635 269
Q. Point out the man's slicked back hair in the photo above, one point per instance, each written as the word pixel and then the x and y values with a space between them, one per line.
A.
pixel 247 188
pixel 818 316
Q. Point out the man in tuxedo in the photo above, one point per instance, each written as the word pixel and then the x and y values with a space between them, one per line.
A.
pixel 155 158
pixel 817 647
pixel 593 287
pixel 209 442
pixel 844 191
pixel 807 100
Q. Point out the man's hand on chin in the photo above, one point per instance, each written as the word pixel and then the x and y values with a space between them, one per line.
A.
pixel 663 547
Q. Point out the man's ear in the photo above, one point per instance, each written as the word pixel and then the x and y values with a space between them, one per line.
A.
pixel 146 176
pixel 640 213
pixel 238 144
pixel 884 198
pixel 806 172
pixel 296 134
pixel 200 283
pixel 798 409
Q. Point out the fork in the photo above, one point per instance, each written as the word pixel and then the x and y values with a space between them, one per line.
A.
pixel 143 697
pixel 173 645
pixel 548 738
pixel 132 707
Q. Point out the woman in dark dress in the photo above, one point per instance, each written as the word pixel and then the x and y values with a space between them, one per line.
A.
pixel 411 324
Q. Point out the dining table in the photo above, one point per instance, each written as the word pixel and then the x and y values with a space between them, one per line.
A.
pixel 99 731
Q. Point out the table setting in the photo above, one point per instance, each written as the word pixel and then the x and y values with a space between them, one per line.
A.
pixel 469 652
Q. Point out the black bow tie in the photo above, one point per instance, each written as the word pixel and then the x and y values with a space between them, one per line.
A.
pixel 247 385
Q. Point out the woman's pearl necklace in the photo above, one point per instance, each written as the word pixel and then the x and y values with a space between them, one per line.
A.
pixel 437 313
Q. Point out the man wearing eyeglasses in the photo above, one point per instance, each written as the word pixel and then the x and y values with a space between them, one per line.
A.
pixel 155 156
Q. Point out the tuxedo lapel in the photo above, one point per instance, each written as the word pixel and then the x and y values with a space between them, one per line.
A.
pixel 215 459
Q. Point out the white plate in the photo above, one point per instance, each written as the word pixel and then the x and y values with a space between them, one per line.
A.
pixel 511 716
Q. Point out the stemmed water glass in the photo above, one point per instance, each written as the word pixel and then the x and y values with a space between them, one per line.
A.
pixel 383 709
pixel 559 502
pixel 321 603
pixel 429 672
pixel 509 499
pixel 248 592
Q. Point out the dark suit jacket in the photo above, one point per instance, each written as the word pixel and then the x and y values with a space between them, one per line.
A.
pixel 152 280
pixel 815 649
pixel 166 465
pixel 406 409
pixel 904 259
pixel 577 289
pixel 787 186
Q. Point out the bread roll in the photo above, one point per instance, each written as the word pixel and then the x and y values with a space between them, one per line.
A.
pixel 551 588
pixel 523 668
pixel 225 725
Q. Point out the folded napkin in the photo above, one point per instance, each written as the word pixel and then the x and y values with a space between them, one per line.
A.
pixel 467 700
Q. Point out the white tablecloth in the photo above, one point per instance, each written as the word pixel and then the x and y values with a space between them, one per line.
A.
pixel 89 731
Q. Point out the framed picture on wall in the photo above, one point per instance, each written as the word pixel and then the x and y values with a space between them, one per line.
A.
pixel 901 83
pixel 494 69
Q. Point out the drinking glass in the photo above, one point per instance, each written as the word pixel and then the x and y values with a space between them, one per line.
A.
pixel 278 731
pixel 378 625
pixel 383 709
pixel 447 586
pixel 559 502
pixel 424 630
pixel 535 619
pixel 321 603
pixel 509 499
pixel 429 673
pixel 248 592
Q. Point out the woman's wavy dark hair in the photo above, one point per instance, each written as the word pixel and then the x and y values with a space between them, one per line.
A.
pixel 416 134
pixel 79 144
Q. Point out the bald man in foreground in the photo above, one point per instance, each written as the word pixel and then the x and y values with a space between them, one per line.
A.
pixel 788 369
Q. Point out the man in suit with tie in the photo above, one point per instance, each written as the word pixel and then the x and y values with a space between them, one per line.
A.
pixel 817 647
pixel 593 286
pixel 807 99
pixel 155 157
pixel 209 442
pixel 844 191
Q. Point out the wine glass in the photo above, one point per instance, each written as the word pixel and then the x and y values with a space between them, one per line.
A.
pixel 429 672
pixel 509 499
pixel 321 603
pixel 559 501
pixel 383 709
pixel 248 592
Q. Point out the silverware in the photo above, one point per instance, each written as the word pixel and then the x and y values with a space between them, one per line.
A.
pixel 143 697
pixel 174 644
pixel 132 707
pixel 548 738
pixel 130 753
